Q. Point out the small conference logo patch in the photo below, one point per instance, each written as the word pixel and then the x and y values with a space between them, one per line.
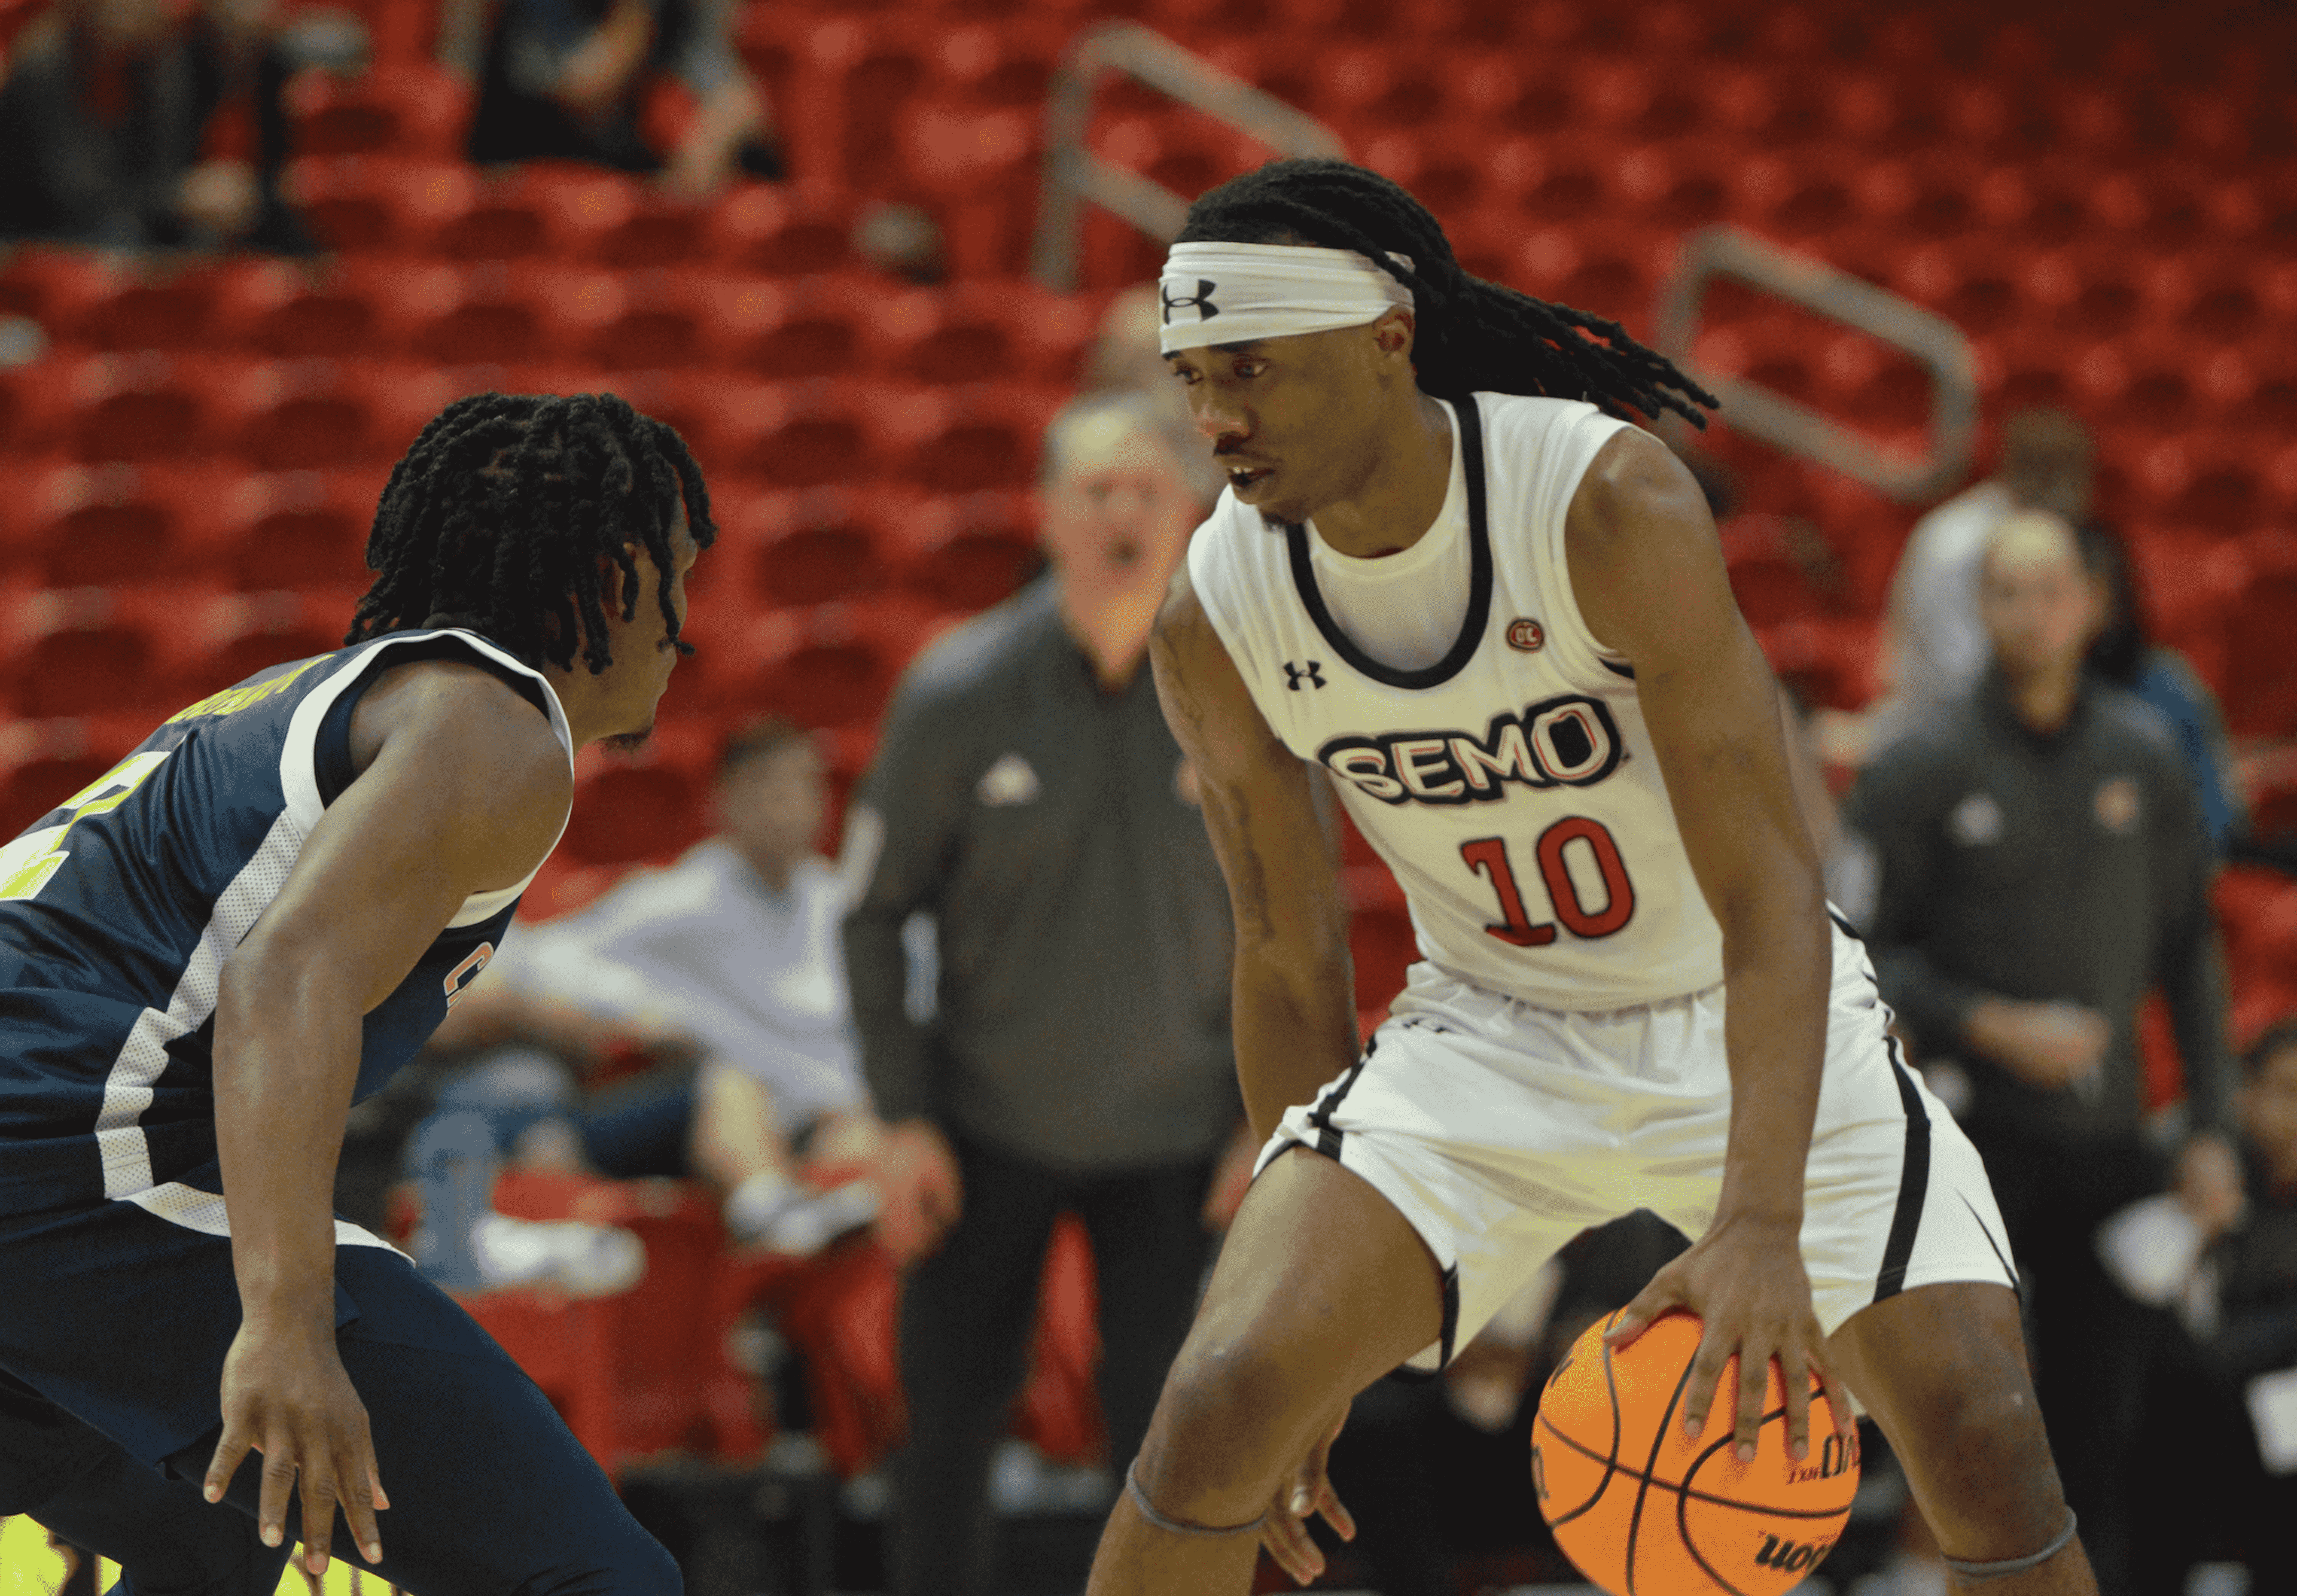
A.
pixel 1202 300
pixel 2116 805
pixel 1010 780
pixel 1527 636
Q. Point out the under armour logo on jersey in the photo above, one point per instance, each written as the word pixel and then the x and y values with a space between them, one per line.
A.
pixel 1202 300
pixel 1312 674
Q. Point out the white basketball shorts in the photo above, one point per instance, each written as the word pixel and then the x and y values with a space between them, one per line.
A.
pixel 1500 1131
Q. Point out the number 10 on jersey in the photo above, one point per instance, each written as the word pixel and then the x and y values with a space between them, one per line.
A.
pixel 1488 856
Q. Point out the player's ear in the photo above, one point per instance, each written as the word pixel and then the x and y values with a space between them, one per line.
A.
pixel 1394 332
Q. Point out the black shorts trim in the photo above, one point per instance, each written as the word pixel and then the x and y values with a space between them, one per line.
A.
pixel 1914 1182
pixel 1328 1135
pixel 1450 1331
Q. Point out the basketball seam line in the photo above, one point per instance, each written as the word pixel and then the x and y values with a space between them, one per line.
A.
pixel 1642 1491
pixel 1611 1463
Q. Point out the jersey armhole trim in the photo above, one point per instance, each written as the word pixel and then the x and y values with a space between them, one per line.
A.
pixel 1569 626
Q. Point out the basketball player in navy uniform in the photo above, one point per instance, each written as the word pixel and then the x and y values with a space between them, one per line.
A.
pixel 207 955
pixel 1501 627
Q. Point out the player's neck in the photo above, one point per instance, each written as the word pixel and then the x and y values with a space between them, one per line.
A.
pixel 2044 699
pixel 1399 498
pixel 1111 625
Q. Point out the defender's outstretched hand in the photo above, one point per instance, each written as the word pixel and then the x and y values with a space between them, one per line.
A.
pixel 1308 1493
pixel 1745 1280
pixel 285 1395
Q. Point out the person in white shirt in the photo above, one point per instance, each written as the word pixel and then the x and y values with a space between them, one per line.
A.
pixel 731 956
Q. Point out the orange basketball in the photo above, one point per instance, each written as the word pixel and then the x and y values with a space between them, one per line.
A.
pixel 1643 1511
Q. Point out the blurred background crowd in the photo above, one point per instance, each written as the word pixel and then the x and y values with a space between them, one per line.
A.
pixel 841 1135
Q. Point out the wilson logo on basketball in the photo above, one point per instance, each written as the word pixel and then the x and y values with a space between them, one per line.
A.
pixel 1526 635
pixel 1789 1557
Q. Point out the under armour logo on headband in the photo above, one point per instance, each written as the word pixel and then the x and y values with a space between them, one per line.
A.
pixel 1202 300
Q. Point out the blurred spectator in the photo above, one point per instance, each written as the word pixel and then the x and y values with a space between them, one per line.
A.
pixel 1125 357
pixel 1030 802
pixel 1935 647
pixel 138 123
pixel 2040 864
pixel 2162 678
pixel 640 86
pixel 2220 1384
pixel 731 957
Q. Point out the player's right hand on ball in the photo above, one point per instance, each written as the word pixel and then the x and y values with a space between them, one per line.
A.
pixel 285 1395
pixel 1300 1497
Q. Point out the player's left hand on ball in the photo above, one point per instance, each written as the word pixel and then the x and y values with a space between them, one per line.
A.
pixel 1300 1497
pixel 1745 1280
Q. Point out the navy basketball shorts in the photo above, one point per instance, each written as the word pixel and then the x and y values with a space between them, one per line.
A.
pixel 113 1327
pixel 1500 1130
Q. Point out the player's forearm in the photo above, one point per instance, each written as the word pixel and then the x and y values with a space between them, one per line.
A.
pixel 1777 970
pixel 1296 1028
pixel 286 1059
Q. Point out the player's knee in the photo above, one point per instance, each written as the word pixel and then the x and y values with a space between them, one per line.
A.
pixel 1227 1423
pixel 1999 1479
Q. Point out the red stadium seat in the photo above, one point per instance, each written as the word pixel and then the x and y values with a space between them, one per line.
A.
pixel 790 436
pixel 234 634
pixel 805 549
pixel 967 553
pixel 829 666
pixel 1970 282
pixel 304 529
pixel 82 652
pixel 98 525
pixel 2261 684
pixel 289 311
pixel 128 304
pixel 785 330
pixel 2201 480
pixel 354 202
pixel 978 332
pixel 769 229
pixel 467 315
pixel 403 108
pixel 321 415
pixel 619 319
pixel 624 813
pixel 1775 564
pixel 1438 164
pixel 138 407
pixel 967 440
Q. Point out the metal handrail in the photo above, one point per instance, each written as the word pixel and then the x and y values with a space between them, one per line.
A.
pixel 1074 175
pixel 1934 342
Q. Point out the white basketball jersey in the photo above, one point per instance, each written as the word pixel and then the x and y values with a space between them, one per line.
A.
pixel 1511 785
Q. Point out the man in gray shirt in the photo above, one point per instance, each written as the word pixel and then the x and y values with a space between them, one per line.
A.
pixel 1028 798
pixel 2040 865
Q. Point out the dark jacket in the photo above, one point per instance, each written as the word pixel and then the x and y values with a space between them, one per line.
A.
pixel 1045 827
pixel 2070 867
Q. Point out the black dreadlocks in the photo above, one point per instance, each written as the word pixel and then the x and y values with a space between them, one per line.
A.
pixel 497 516
pixel 1472 335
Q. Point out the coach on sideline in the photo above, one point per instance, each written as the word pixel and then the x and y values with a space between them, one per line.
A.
pixel 1028 798
pixel 2041 863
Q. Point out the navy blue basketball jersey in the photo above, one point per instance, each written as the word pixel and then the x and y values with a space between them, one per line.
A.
pixel 119 910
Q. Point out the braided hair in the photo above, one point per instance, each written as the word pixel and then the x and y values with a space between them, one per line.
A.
pixel 499 516
pixel 1472 335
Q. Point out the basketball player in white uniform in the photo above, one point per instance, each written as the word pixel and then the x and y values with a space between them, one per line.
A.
pixel 1501 626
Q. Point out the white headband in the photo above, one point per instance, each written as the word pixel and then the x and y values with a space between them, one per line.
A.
pixel 1240 293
